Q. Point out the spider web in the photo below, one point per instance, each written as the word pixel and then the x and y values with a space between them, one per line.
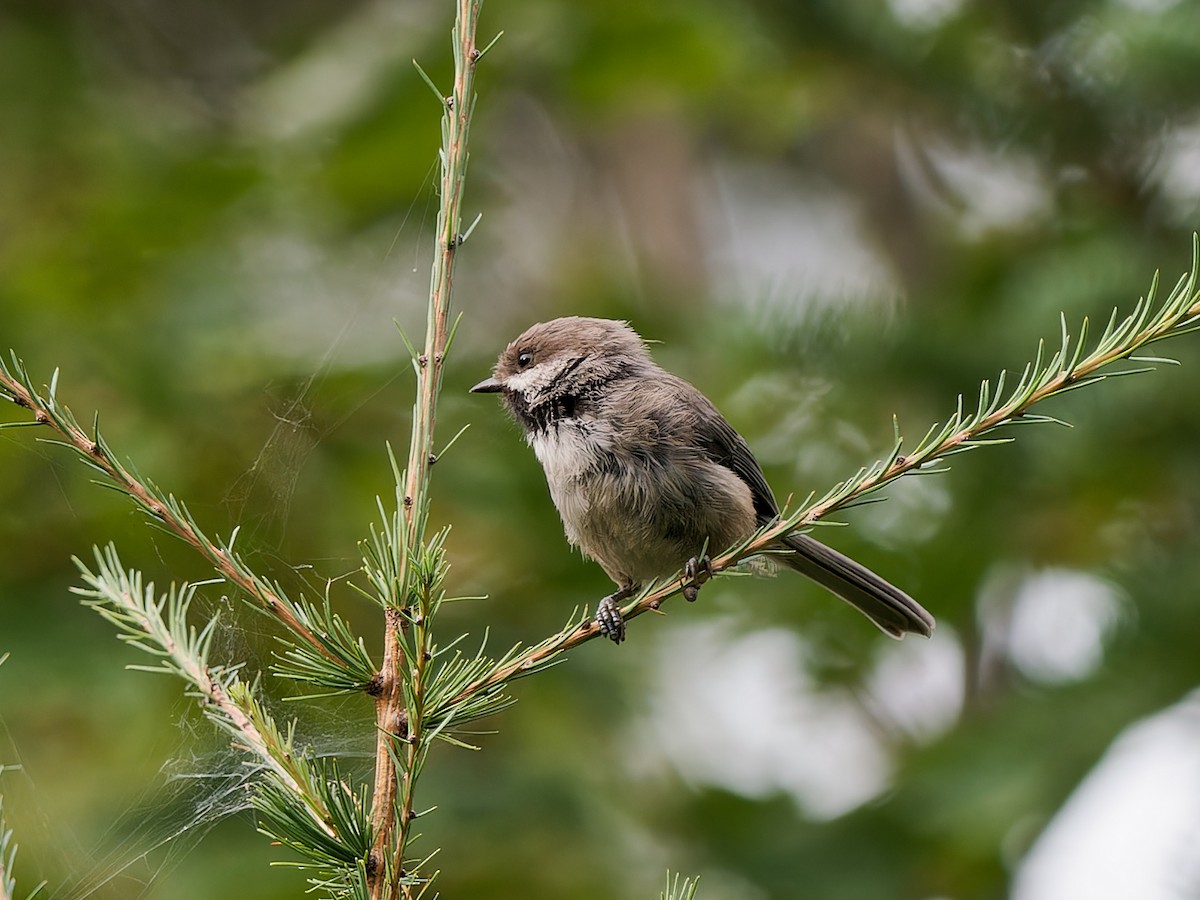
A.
pixel 205 780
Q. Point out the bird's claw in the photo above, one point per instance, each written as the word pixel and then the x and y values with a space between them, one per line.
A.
pixel 696 571
pixel 608 617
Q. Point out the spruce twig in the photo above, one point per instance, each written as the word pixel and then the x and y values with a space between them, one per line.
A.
pixel 405 569
pixel 302 803
pixel 17 386
pixel 677 889
pixel 159 626
pixel 356 845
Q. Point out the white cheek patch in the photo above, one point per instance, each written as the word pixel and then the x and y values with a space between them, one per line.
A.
pixel 529 380
pixel 539 378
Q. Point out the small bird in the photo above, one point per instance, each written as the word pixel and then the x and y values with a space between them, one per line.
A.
pixel 646 473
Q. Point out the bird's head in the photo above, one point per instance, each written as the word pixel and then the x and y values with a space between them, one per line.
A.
pixel 563 360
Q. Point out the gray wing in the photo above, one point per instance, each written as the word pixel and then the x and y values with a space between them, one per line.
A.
pixel 727 448
pixel 884 604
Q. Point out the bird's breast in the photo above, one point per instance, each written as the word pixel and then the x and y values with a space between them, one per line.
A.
pixel 571 451
pixel 635 507
pixel 569 448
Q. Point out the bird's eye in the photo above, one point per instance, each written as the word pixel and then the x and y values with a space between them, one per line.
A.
pixel 524 358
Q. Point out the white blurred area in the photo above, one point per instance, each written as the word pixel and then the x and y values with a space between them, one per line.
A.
pixel 739 711
pixel 917 687
pixel 1132 827
pixel 924 15
pixel 1175 169
pixel 782 245
pixel 980 190
pixel 1131 830
pixel 1051 624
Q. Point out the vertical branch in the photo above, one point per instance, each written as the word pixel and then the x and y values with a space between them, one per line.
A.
pixel 400 742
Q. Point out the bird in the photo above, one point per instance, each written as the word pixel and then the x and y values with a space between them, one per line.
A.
pixel 646 474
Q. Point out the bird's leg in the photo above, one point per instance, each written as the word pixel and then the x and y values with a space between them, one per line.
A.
pixel 608 613
pixel 696 571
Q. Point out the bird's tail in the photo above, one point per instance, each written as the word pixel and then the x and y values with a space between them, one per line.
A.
pixel 884 604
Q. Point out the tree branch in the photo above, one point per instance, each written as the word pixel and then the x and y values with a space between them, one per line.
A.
pixel 400 702
pixel 17 386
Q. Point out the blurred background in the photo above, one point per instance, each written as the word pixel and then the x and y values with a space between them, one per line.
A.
pixel 829 214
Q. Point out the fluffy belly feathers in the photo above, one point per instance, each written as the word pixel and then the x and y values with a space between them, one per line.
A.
pixel 640 516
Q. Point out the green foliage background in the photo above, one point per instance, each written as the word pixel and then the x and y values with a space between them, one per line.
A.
pixel 829 213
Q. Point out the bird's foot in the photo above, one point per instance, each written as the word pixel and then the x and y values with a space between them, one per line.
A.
pixel 608 614
pixel 696 571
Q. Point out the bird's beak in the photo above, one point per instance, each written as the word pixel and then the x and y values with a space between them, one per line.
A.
pixel 488 386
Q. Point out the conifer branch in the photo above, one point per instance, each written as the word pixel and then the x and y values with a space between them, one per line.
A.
pixel 159 627
pixel 302 803
pixel 1068 368
pixel 405 567
pixel 165 510
pixel 678 889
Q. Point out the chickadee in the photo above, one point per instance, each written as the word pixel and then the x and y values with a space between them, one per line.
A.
pixel 646 473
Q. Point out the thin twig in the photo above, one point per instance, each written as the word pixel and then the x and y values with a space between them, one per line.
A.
pixel 165 510
pixel 159 627
pixel 400 740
